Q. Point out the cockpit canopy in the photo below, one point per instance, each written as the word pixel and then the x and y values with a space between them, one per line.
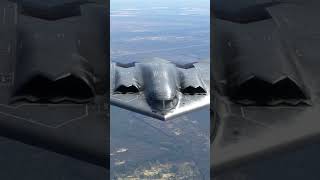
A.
pixel 164 105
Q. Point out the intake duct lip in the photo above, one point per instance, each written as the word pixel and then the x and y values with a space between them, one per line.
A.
pixel 74 84
pixel 243 12
pixel 262 68
pixel 122 89
pixel 191 90
pixel 40 88
pixel 190 82
pixel 125 81
pixel 51 9
pixel 257 91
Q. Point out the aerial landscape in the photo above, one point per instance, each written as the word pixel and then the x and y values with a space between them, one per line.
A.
pixel 142 147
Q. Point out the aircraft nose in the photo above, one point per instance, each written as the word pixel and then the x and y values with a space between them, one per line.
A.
pixel 164 105
pixel 160 80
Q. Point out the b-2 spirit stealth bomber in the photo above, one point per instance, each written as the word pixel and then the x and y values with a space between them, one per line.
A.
pixel 159 88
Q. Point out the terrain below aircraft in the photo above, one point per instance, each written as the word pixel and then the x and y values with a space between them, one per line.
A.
pixel 265 72
pixel 160 88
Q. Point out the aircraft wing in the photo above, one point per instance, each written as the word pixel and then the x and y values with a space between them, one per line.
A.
pixel 191 78
pixel 266 96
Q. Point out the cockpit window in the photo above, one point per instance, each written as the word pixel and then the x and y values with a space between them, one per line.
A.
pixel 165 104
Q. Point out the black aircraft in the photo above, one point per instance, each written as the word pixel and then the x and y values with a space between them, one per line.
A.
pixel 265 72
pixel 159 88
pixel 53 71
